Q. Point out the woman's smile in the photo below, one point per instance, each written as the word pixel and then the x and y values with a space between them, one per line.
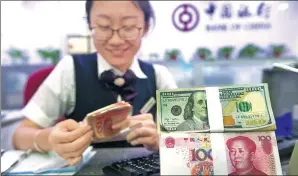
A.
pixel 117 52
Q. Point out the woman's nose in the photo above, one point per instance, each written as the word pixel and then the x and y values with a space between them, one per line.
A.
pixel 116 39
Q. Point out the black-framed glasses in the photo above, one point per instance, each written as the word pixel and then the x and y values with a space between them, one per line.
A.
pixel 125 33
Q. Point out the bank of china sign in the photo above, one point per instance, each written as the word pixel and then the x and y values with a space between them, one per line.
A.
pixel 220 17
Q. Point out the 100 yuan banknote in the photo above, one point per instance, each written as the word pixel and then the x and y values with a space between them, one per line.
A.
pixel 237 108
pixel 102 120
pixel 246 153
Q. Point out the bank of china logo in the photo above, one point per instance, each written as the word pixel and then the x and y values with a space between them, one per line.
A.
pixel 185 17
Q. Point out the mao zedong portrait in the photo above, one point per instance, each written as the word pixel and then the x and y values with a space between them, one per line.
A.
pixel 195 113
pixel 242 154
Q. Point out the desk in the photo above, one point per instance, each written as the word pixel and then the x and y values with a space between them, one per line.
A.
pixel 7 130
pixel 10 116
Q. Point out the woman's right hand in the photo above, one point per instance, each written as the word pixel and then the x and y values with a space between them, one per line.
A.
pixel 70 139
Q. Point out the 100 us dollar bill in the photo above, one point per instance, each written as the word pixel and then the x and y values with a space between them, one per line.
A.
pixel 241 108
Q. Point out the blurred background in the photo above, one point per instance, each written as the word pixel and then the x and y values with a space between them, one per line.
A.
pixel 203 43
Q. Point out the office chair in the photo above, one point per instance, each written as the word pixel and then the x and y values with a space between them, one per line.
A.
pixel 33 83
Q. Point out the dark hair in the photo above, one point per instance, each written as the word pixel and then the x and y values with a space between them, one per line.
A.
pixel 144 5
pixel 250 144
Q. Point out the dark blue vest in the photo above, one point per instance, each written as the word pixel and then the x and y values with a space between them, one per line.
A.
pixel 91 94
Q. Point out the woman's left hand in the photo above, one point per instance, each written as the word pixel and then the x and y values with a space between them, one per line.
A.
pixel 146 134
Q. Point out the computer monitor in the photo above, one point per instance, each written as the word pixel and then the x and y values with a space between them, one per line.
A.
pixel 13 82
pixel 283 90
pixel 79 44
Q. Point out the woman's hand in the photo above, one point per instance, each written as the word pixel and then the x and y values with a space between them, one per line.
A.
pixel 70 139
pixel 146 134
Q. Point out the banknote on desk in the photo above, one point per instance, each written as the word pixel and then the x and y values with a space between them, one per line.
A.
pixel 243 153
pixel 102 120
pixel 238 108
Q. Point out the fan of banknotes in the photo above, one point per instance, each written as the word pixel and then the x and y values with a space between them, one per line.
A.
pixel 217 131
pixel 102 120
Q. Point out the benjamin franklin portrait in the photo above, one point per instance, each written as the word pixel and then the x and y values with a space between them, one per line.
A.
pixel 195 113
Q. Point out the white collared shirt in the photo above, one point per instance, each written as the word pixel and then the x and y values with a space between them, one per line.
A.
pixel 56 95
pixel 104 66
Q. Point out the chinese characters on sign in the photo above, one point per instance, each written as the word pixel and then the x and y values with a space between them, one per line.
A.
pixel 210 10
pixel 226 11
pixel 263 10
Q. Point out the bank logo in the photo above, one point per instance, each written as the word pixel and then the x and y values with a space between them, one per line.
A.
pixel 185 17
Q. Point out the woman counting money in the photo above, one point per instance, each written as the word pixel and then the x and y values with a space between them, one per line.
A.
pixel 83 83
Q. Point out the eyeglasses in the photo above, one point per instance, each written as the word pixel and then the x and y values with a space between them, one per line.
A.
pixel 125 33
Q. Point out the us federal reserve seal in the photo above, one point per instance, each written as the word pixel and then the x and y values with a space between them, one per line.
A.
pixel 176 110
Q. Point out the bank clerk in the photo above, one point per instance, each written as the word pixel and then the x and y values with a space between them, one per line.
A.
pixel 83 83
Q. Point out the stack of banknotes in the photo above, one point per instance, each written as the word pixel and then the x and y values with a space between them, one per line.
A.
pixel 102 120
pixel 217 131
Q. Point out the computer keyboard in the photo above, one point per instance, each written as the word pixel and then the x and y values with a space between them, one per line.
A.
pixel 142 166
